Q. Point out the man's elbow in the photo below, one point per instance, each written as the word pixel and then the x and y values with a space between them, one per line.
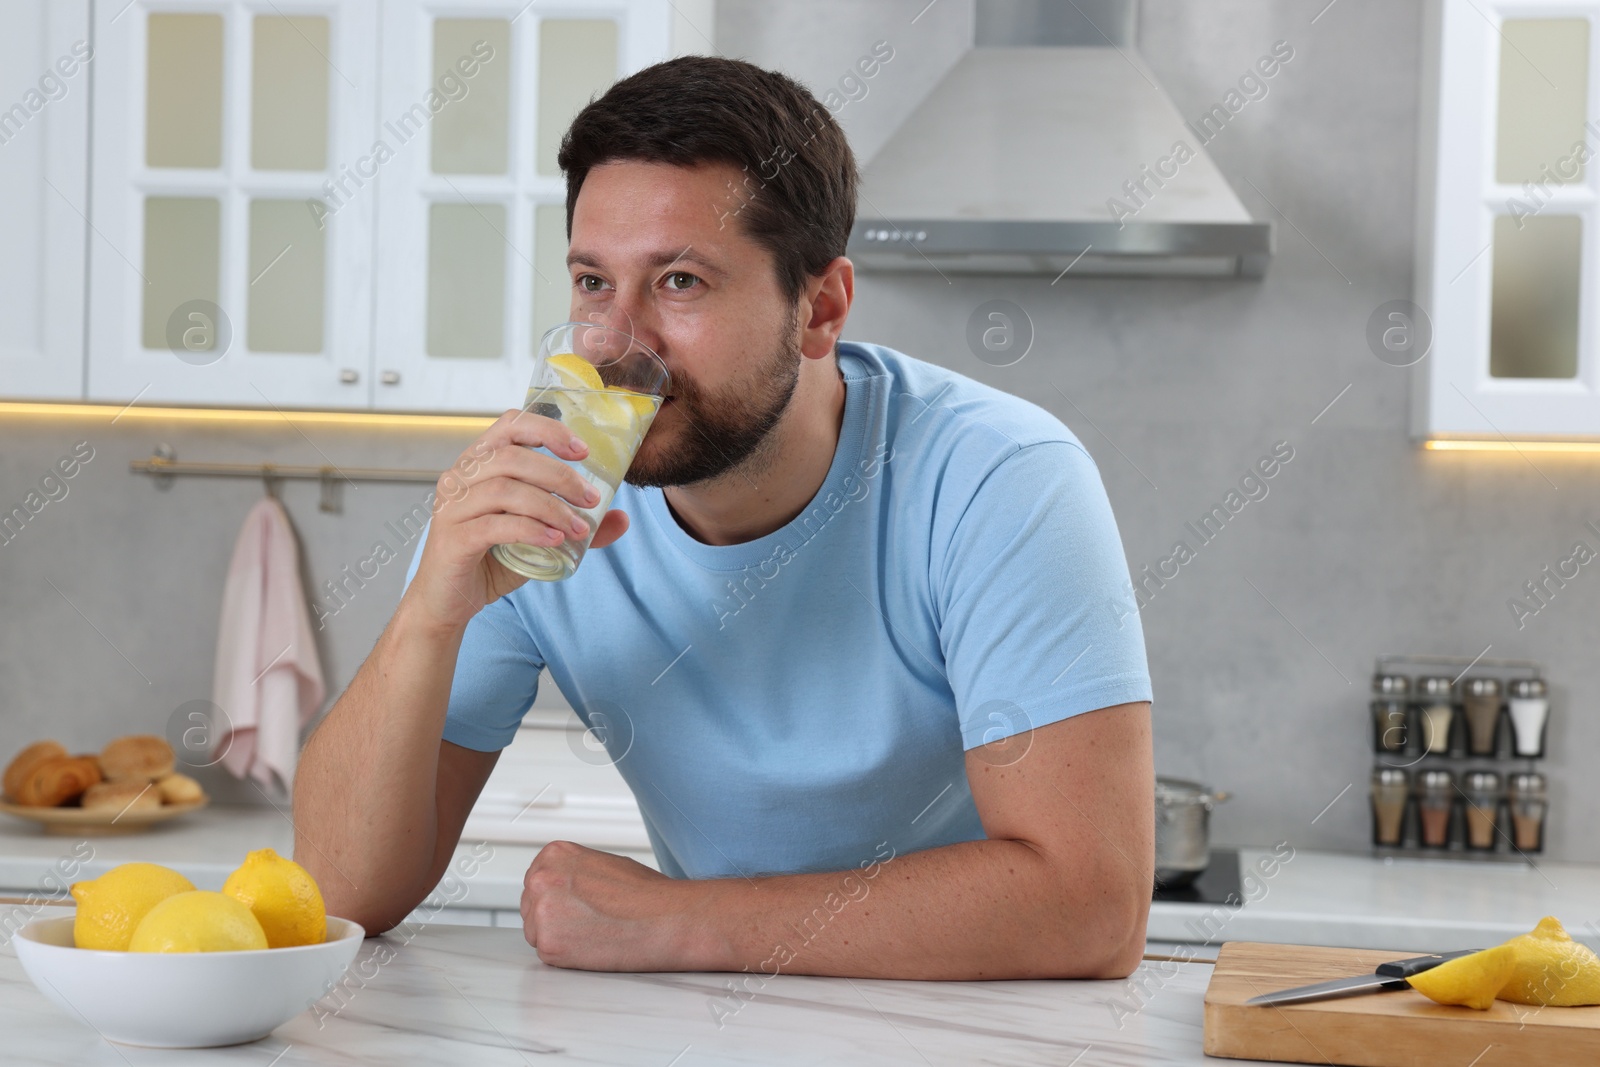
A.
pixel 1119 927
pixel 1099 938
pixel 344 899
pixel 374 917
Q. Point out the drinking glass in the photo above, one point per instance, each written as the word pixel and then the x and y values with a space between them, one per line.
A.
pixel 606 387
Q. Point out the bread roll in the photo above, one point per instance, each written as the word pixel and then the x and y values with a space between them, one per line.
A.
pixel 58 780
pixel 122 796
pixel 179 789
pixel 26 760
pixel 139 757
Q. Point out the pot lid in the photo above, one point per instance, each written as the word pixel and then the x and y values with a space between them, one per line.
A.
pixel 1184 791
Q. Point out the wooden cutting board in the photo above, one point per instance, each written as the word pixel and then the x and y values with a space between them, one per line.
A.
pixel 1392 1029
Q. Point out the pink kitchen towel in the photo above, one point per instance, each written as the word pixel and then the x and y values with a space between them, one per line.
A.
pixel 268 680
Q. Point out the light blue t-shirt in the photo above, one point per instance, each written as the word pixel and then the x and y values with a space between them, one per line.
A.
pixel 793 702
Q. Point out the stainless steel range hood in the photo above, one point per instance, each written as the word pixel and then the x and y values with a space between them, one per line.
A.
pixel 1050 145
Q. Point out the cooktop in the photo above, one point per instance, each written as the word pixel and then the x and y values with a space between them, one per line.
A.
pixel 1216 884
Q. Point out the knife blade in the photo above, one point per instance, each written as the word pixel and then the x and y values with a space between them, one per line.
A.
pixel 1388 976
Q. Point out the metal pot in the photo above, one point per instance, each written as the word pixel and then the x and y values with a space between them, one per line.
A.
pixel 1183 816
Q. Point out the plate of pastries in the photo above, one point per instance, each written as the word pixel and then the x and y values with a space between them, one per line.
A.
pixel 124 788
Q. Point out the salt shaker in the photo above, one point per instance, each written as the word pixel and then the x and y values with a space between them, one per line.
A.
pixel 1530 713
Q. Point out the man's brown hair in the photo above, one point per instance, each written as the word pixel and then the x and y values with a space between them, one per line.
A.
pixel 797 195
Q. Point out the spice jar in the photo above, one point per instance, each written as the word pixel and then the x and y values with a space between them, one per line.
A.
pixel 1482 793
pixel 1434 714
pixel 1391 695
pixel 1391 787
pixel 1436 793
pixel 1530 713
pixel 1480 699
pixel 1528 804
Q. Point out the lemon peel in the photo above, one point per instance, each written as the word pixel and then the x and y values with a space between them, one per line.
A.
pixel 1471 980
pixel 575 371
pixel 1552 969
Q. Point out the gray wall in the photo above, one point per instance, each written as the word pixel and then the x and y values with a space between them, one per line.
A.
pixel 1365 544
pixel 128 633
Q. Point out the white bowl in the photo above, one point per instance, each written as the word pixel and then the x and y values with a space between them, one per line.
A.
pixel 183 999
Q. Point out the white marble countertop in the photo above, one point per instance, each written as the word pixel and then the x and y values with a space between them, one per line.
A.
pixel 207 845
pixel 456 995
pixel 1357 901
pixel 1316 898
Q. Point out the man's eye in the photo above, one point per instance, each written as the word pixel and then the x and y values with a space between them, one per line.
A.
pixel 678 274
pixel 585 279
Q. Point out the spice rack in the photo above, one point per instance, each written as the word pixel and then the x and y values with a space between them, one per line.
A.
pixel 1456 743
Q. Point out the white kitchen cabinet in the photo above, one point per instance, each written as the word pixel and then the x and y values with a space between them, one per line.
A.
pixel 45 60
pixel 472 243
pixel 452 917
pixel 332 204
pixel 556 782
pixel 1507 217
pixel 217 275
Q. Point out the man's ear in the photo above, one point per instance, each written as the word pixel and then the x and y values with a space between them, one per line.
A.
pixel 824 306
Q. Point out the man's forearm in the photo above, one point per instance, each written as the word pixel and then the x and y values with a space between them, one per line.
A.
pixel 974 910
pixel 365 791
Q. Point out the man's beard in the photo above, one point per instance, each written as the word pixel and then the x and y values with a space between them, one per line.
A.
pixel 723 429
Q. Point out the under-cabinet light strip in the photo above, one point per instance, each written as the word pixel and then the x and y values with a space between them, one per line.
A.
pixel 1502 445
pixel 113 413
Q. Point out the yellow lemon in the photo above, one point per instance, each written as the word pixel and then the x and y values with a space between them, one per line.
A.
pixel 282 896
pixel 611 422
pixel 639 403
pixel 605 450
pixel 575 371
pixel 1471 980
pixel 198 921
pixel 1552 968
pixel 110 907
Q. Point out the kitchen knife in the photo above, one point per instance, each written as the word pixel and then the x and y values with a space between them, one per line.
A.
pixel 1391 975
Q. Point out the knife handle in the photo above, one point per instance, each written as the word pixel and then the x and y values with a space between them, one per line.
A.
pixel 1417 964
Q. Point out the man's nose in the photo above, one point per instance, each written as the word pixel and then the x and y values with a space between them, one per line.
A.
pixel 634 313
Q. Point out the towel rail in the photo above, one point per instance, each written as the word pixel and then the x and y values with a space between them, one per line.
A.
pixel 163 464
pixel 163 468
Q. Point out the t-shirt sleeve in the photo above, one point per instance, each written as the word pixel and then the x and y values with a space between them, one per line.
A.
pixel 496 678
pixel 1031 591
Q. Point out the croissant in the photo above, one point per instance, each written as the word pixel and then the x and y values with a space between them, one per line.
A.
pixel 26 760
pixel 58 780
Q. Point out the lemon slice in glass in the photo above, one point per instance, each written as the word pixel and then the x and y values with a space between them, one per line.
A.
pixel 576 372
pixel 609 426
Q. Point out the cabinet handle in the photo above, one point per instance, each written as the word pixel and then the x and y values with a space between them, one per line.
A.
pixel 349 377
pixel 391 377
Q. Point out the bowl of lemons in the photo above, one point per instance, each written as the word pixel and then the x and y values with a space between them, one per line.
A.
pixel 150 960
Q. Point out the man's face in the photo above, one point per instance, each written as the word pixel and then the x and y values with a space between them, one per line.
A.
pixel 658 250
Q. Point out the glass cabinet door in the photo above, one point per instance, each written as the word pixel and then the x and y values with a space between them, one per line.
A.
pixel 1509 187
pixel 44 186
pixel 233 208
pixel 472 242
pixel 245 154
